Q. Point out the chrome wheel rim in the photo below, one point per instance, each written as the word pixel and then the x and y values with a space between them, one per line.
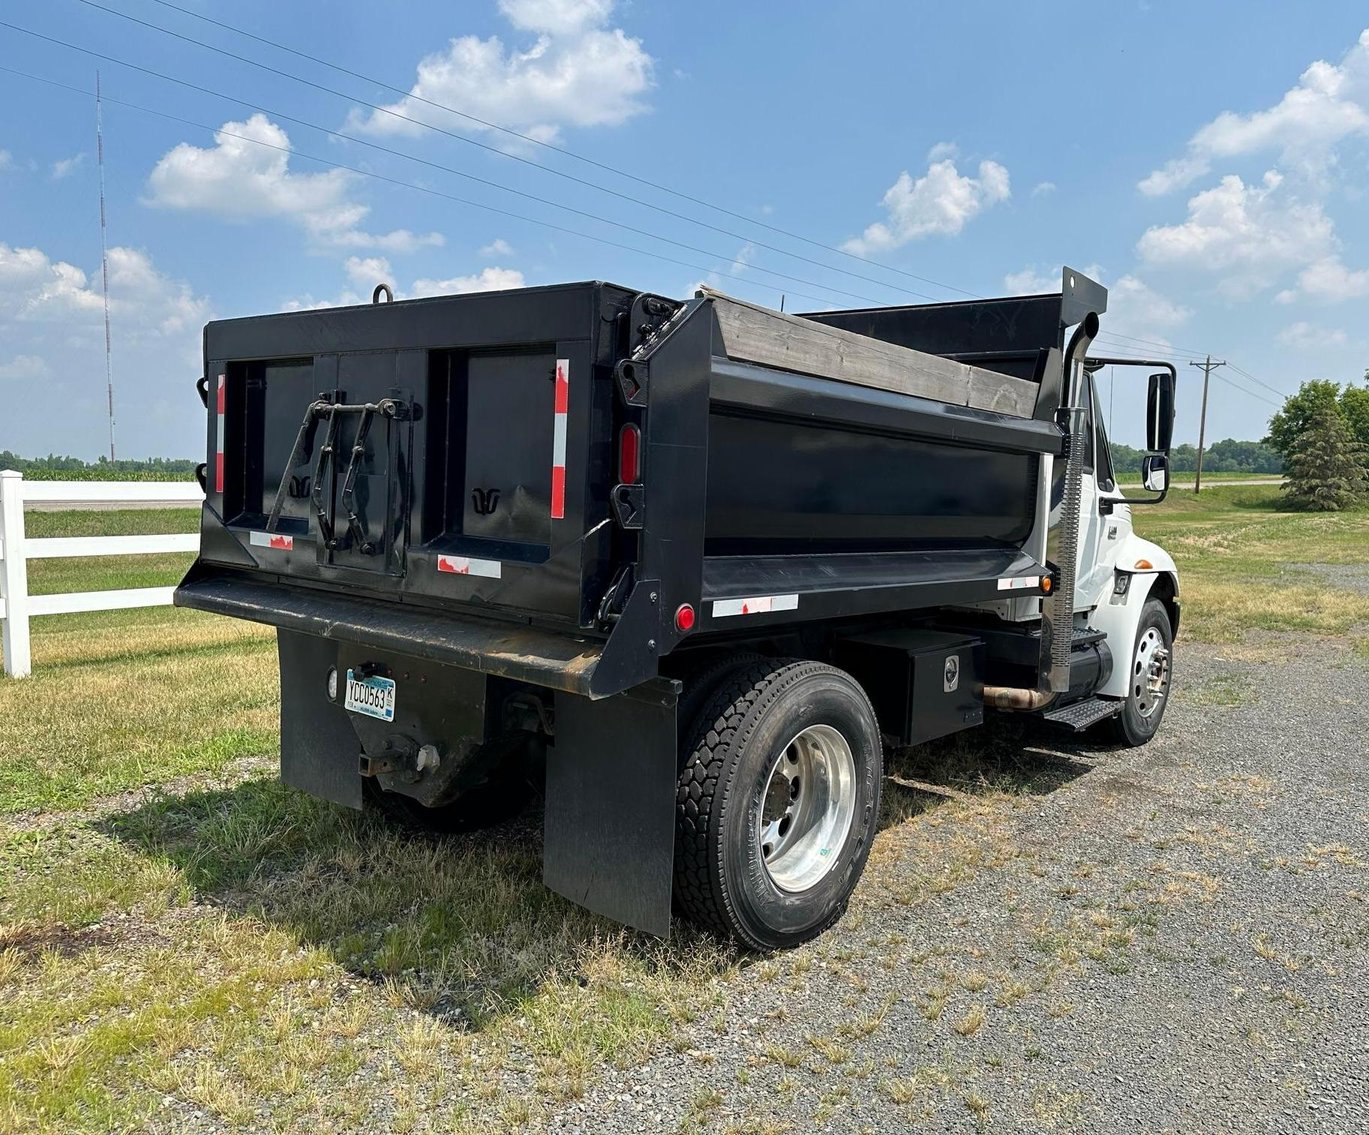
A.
pixel 1150 672
pixel 806 811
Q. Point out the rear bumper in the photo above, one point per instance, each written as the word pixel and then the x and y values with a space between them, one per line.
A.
pixel 543 658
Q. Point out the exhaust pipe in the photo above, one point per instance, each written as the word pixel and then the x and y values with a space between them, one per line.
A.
pixel 1057 608
pixel 1014 697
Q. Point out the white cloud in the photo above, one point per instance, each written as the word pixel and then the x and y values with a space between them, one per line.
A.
pixel 1329 103
pixel 557 17
pixel 37 289
pixel 367 272
pixel 497 247
pixel 1250 234
pixel 363 273
pixel 487 280
pixel 246 175
pixel 1132 303
pixel 51 319
pixel 576 72
pixel 1305 336
pixel 24 368
pixel 67 166
pixel 1042 188
pixel 1328 280
pixel 940 202
pixel 6 161
pixel 1030 282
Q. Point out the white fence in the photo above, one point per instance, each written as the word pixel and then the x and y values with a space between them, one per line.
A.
pixel 17 606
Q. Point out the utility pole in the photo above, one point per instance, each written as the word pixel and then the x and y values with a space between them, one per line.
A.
pixel 1207 368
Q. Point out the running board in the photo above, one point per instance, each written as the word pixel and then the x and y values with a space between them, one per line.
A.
pixel 1079 715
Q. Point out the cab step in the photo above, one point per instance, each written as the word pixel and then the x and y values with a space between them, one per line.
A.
pixel 1079 715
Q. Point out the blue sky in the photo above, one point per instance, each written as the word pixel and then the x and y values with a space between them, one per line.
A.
pixel 1208 162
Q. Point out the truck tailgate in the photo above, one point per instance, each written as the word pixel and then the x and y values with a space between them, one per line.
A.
pixel 452 451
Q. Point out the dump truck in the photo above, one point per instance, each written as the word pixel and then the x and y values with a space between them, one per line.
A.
pixel 686 567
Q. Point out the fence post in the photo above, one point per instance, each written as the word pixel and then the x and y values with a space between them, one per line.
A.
pixel 14 577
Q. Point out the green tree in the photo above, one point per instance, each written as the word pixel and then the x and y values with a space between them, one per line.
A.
pixel 1298 411
pixel 1354 405
pixel 1325 464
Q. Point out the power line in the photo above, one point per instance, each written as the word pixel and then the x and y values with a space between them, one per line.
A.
pixel 395 181
pixel 495 150
pixel 539 142
pixel 1256 381
pixel 1170 348
pixel 1247 392
pixel 426 162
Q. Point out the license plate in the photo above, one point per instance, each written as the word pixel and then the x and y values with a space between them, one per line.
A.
pixel 374 696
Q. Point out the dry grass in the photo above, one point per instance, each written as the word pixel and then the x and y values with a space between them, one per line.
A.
pixel 208 943
pixel 1234 549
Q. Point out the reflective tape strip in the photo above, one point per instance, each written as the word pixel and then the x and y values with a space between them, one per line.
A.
pixel 755 605
pixel 558 440
pixel 218 453
pixel 1018 583
pixel 461 565
pixel 272 540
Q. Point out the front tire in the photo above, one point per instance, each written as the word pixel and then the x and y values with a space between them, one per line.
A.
pixel 777 803
pixel 1149 677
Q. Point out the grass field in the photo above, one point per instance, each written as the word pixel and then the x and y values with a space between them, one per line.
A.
pixel 183 940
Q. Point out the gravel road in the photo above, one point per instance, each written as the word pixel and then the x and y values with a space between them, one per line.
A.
pixel 1167 939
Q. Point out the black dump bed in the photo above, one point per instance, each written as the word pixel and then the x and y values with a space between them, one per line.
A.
pixel 536 483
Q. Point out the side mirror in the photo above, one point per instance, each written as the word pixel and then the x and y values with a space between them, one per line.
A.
pixel 1160 413
pixel 1155 472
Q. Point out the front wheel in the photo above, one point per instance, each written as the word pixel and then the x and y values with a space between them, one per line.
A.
pixel 1148 682
pixel 777 803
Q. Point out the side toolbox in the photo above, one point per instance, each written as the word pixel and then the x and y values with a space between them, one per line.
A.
pixel 923 684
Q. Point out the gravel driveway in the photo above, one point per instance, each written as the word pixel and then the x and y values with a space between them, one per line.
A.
pixel 1167 939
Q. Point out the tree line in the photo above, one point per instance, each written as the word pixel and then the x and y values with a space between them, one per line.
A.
pixel 55 467
pixel 1226 456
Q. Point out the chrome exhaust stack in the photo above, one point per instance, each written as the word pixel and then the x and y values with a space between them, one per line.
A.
pixel 1057 608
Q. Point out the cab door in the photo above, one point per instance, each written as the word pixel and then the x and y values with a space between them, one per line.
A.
pixel 1104 517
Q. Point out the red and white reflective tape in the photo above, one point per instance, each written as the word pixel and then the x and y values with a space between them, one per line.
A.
pixel 754 605
pixel 218 453
pixel 462 565
pixel 558 442
pixel 1019 582
pixel 272 540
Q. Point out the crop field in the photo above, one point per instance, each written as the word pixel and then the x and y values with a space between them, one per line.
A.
pixel 186 945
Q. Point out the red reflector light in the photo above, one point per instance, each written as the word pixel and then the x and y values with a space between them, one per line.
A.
pixel 684 617
pixel 629 455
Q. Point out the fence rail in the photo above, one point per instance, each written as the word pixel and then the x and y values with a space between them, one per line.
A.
pixel 17 606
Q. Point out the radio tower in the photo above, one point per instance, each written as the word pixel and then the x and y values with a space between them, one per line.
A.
pixel 104 256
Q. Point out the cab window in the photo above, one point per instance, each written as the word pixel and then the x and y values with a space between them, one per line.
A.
pixel 1103 452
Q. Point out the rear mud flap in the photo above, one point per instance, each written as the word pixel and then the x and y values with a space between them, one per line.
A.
pixel 610 814
pixel 319 750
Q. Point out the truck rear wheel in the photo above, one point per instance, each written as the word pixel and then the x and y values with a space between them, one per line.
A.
pixel 1149 679
pixel 777 803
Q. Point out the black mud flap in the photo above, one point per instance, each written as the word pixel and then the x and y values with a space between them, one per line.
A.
pixel 610 815
pixel 319 750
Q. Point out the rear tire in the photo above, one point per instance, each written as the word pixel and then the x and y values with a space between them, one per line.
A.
pixel 1150 670
pixel 777 803
pixel 701 682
